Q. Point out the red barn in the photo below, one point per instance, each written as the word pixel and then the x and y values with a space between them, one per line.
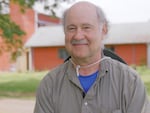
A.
pixel 46 48
pixel 129 41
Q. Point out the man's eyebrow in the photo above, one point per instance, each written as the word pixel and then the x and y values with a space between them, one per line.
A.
pixel 84 24
pixel 87 24
pixel 70 25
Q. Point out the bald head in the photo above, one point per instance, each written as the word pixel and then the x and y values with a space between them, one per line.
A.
pixel 80 8
pixel 83 6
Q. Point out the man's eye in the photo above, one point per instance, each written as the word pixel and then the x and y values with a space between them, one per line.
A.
pixel 71 28
pixel 86 27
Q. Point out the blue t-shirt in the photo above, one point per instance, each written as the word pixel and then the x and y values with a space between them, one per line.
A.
pixel 87 81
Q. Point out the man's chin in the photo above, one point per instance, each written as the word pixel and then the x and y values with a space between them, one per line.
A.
pixel 80 56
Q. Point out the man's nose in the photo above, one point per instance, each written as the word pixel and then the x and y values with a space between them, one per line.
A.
pixel 79 34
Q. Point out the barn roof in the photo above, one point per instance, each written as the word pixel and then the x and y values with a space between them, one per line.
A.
pixel 47 36
pixel 131 33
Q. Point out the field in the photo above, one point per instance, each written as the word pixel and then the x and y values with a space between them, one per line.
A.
pixel 145 76
pixel 24 85
pixel 20 85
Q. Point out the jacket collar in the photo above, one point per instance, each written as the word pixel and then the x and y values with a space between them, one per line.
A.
pixel 72 75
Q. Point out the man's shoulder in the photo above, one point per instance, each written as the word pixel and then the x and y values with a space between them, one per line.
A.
pixel 58 70
pixel 55 75
pixel 119 66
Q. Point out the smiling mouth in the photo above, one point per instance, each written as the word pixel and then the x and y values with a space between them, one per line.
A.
pixel 79 42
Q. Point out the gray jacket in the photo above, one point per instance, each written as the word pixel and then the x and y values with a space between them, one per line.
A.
pixel 117 89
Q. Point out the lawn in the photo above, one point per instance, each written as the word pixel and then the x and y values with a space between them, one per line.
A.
pixel 19 84
pixel 145 76
pixel 24 85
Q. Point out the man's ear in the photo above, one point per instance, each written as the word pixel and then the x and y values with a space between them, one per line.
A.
pixel 105 29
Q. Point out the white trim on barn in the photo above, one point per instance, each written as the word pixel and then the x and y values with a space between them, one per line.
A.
pixel 30 60
pixel 148 55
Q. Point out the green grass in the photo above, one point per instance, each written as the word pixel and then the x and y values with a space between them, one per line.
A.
pixel 19 84
pixel 24 85
pixel 145 76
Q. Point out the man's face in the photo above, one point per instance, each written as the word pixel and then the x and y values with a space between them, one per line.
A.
pixel 83 33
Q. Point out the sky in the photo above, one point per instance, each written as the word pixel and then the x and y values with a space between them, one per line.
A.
pixel 125 10
pixel 120 11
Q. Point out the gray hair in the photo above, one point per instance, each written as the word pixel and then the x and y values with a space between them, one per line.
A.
pixel 100 15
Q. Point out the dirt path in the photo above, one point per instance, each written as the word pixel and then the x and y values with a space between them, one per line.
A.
pixel 16 106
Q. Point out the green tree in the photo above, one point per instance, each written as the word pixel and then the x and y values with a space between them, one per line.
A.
pixel 10 33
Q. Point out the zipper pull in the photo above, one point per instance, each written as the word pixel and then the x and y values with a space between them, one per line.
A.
pixel 77 70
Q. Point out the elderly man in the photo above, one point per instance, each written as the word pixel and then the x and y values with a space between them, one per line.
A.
pixel 89 82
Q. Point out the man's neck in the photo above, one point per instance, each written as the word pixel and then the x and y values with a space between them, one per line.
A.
pixel 87 69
